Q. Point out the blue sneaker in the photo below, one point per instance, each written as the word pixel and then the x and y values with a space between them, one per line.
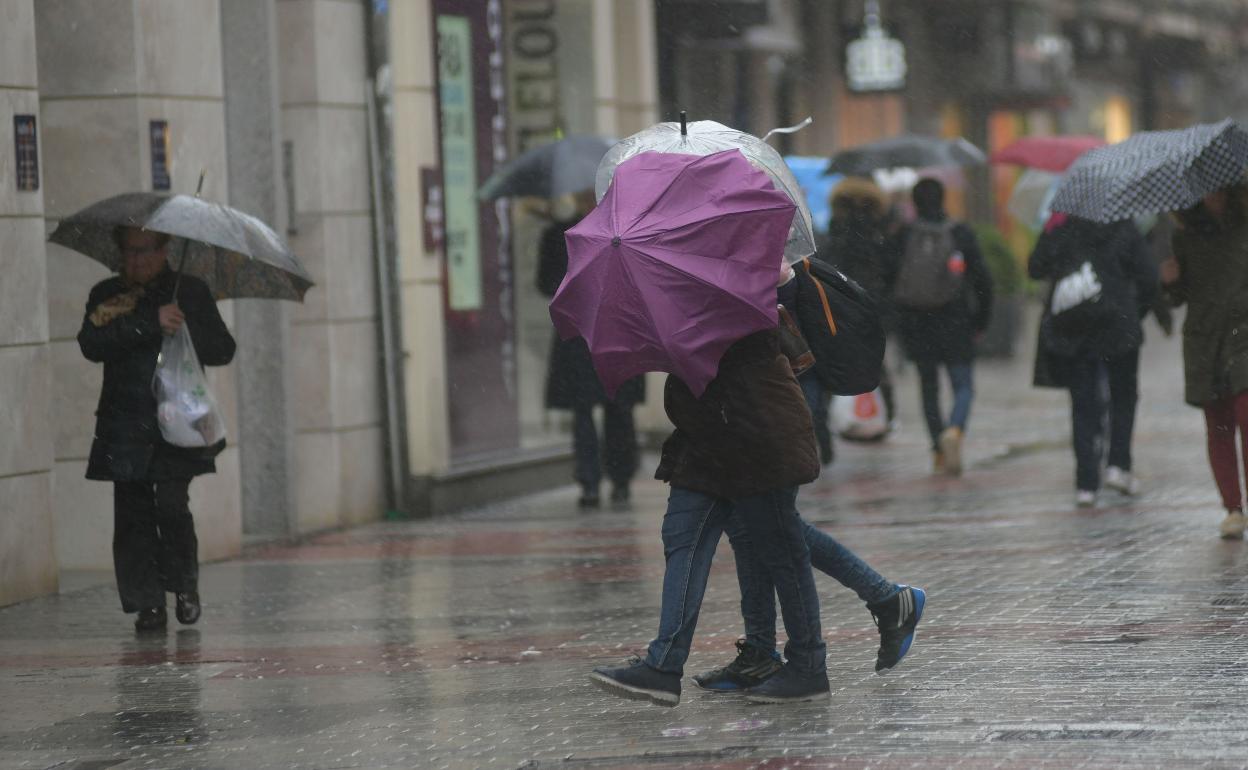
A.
pixel 896 617
pixel 791 686
pixel 752 667
pixel 637 681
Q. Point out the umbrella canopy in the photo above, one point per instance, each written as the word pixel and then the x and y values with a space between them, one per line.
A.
pixel 559 168
pixel 236 254
pixel 906 151
pixel 1154 171
pixel 705 137
pixel 1046 153
pixel 677 262
pixel 1031 201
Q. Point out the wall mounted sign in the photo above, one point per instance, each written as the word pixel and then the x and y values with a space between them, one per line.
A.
pixel 459 162
pixel 26 146
pixel 158 134
pixel 875 61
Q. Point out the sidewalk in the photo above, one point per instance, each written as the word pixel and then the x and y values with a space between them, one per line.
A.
pixel 1054 638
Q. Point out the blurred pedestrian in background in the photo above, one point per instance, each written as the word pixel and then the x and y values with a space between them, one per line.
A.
pixel 1104 283
pixel 572 384
pixel 1209 273
pixel 943 293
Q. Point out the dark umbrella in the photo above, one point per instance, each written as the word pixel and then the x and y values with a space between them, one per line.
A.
pixel 906 151
pixel 559 168
pixel 1154 171
pixel 236 254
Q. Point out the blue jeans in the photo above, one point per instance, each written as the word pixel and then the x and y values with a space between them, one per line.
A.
pixel 691 529
pixel 817 400
pixel 758 607
pixel 929 389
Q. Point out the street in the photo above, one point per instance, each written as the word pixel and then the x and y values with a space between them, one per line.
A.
pixel 1054 637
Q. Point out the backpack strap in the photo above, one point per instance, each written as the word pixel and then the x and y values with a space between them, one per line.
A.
pixel 823 297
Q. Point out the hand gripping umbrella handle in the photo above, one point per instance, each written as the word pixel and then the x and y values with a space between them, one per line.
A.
pixel 199 188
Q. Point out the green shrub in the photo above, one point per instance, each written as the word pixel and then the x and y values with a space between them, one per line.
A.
pixel 1007 274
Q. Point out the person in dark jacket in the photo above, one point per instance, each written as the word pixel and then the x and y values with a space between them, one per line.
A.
pixel 1209 273
pixel 941 332
pixel 572 384
pixel 127 316
pixel 740 449
pixel 1104 282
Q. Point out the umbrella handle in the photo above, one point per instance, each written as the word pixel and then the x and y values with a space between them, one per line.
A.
pixel 177 281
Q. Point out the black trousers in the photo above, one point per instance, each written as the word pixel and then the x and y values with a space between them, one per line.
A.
pixel 1088 410
pixel 154 545
pixel 621 451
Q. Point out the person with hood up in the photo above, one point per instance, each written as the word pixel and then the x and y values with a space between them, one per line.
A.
pixel 1209 273
pixel 1104 282
pixel 940 285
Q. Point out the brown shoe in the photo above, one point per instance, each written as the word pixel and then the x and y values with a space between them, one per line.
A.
pixel 938 462
pixel 951 448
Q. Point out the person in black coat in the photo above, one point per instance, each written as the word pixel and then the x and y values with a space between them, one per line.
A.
pixel 1104 282
pixel 572 384
pixel 154 545
pixel 943 333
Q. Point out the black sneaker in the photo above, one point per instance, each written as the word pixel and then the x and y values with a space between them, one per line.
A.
pixel 752 667
pixel 589 498
pixel 637 681
pixel 896 617
pixel 151 619
pixel 790 686
pixel 187 609
pixel 620 495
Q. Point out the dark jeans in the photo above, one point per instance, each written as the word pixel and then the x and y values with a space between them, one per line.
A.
pixel 960 379
pixel 758 605
pixel 154 545
pixel 1087 412
pixel 691 529
pixel 620 438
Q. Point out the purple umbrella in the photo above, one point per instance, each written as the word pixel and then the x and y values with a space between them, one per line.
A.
pixel 678 261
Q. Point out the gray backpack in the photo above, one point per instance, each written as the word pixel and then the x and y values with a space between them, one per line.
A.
pixel 931 271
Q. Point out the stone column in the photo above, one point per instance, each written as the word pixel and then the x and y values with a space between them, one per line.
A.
pixel 335 349
pixel 106 69
pixel 28 563
pixel 253 139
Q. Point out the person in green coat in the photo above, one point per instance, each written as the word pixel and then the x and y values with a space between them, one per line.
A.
pixel 1209 272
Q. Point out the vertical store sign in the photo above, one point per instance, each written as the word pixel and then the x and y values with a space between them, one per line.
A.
pixel 158 135
pixel 459 163
pixel 26 151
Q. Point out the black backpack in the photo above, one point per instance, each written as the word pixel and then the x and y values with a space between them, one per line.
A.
pixel 841 324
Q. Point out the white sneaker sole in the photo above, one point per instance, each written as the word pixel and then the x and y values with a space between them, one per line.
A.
pixel 657 697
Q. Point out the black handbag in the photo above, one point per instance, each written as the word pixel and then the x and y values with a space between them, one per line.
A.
pixel 842 325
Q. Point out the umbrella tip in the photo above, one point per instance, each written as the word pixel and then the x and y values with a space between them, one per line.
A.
pixel 615 241
pixel 684 126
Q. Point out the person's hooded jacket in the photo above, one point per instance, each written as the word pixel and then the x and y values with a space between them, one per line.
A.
pixel 121 329
pixel 748 433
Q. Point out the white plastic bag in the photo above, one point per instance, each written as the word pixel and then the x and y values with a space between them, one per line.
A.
pixel 185 408
pixel 860 418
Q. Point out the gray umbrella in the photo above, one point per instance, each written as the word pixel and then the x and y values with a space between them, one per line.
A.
pixel 906 151
pixel 559 168
pixel 1154 171
pixel 236 254
pixel 705 137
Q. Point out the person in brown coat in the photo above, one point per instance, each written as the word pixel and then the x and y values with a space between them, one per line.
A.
pixel 742 448
pixel 1209 273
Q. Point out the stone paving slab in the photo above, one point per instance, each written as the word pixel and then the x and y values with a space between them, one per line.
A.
pixel 1055 638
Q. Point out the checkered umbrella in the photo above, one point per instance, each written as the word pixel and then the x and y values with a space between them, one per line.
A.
pixel 1154 171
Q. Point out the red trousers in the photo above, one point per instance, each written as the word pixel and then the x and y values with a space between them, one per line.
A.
pixel 1222 419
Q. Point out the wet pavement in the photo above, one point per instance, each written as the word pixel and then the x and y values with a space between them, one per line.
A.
pixel 1054 637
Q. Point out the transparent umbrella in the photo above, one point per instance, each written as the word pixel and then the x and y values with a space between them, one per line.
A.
pixel 706 137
